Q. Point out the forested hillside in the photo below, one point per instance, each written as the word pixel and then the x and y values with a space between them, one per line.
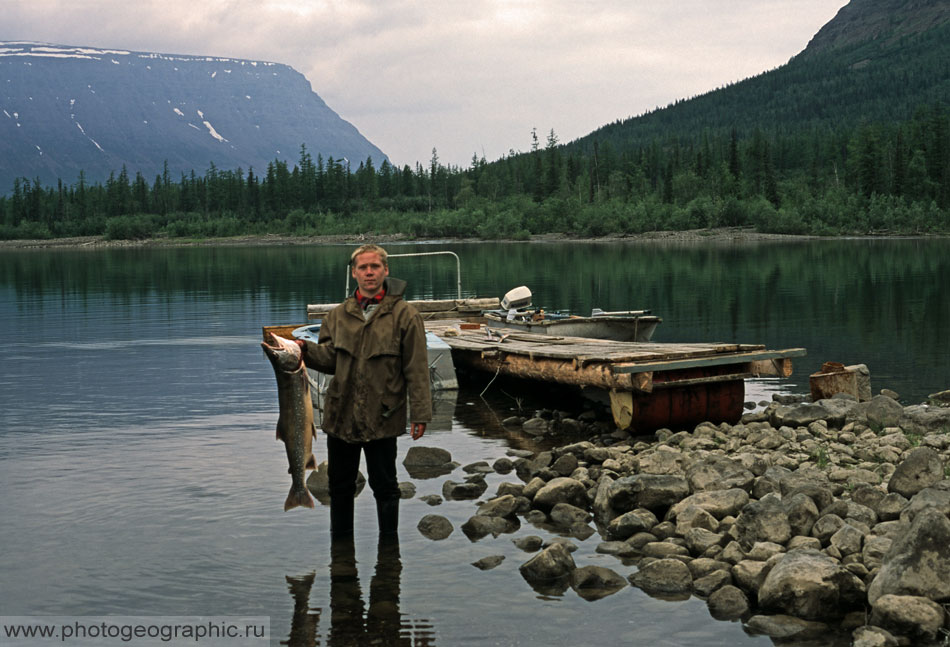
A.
pixel 851 136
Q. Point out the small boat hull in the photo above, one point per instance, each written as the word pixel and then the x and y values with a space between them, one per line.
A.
pixel 639 328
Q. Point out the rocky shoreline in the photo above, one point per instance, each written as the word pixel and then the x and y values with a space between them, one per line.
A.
pixel 723 234
pixel 803 521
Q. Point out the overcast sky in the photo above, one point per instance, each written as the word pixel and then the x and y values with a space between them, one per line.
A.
pixel 465 77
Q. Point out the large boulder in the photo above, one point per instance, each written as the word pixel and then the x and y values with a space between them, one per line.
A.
pixel 718 503
pixel 728 603
pixel 923 419
pixel 763 520
pixel 918 562
pixel 669 576
pixel 435 527
pixel 595 582
pixel 880 412
pixel 652 491
pixel 630 523
pixel 809 584
pixel 718 473
pixel 908 615
pixel 502 506
pixel 561 490
pixel 552 563
pixel 921 469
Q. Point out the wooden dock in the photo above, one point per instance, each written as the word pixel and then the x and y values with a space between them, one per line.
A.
pixel 650 385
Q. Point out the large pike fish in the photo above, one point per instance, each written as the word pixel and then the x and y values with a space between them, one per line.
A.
pixel 295 422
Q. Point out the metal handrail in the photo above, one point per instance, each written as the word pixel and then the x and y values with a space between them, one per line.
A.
pixel 458 268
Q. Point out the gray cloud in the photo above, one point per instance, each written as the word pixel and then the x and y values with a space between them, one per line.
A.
pixel 464 77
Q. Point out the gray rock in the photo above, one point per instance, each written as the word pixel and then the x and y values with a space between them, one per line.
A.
pixel 703 566
pixel 407 490
pixel 787 628
pixel 763 520
pixel 908 615
pixel 478 467
pixel 874 550
pixel 480 526
pixel 431 499
pixel 922 419
pixel 596 582
pixel 879 413
pixel 536 426
pixel 712 582
pixel 802 513
pixel 867 636
pixel 664 549
pixel 921 469
pixel 695 517
pixel 513 421
pixel 718 503
pixel 603 513
pixel 529 544
pixel 488 563
pixel 763 551
pixel 748 574
pixel 503 465
pixel 502 506
pixel 847 540
pixel 868 495
pixel 718 473
pixel 810 585
pixel 889 507
pixel 552 563
pixel 435 527
pixel 663 576
pixel 630 523
pixel 641 539
pixel 918 562
pixel 727 603
pixel 797 415
pixel 826 527
pixel 567 515
pixel 565 465
pixel 931 497
pixel 664 462
pixel 618 548
pixel 561 490
pixel 652 491
pixel 419 456
pixel 699 540
pixel 461 491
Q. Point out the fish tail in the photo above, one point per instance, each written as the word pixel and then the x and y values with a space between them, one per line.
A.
pixel 297 498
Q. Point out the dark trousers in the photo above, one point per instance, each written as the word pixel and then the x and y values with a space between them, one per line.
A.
pixel 343 462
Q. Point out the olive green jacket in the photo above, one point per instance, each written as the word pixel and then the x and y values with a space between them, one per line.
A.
pixel 376 361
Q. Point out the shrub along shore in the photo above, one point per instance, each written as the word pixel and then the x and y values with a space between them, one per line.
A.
pixel 805 520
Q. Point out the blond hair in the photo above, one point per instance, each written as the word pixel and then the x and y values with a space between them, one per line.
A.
pixel 370 249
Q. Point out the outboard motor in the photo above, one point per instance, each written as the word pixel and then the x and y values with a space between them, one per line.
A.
pixel 519 297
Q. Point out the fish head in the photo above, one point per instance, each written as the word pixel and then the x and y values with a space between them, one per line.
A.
pixel 284 354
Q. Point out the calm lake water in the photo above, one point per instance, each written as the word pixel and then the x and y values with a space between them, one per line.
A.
pixel 140 474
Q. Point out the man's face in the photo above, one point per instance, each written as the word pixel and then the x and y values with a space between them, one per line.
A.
pixel 369 272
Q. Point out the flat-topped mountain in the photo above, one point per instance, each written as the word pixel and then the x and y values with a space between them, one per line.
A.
pixel 64 109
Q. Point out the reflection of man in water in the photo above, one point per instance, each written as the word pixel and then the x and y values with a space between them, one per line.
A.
pixel 351 623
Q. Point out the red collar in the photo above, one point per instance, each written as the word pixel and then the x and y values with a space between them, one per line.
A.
pixel 365 301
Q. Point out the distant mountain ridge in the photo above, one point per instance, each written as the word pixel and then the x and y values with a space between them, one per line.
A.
pixel 66 108
pixel 863 20
pixel 875 61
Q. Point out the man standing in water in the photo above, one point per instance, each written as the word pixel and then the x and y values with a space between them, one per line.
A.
pixel 374 345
